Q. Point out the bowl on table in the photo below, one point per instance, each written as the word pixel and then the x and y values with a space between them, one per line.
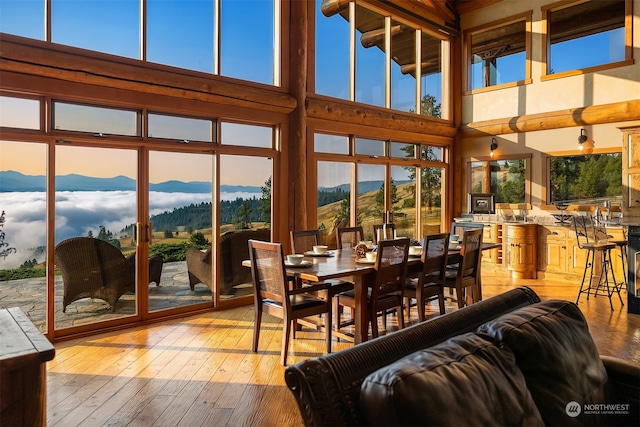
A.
pixel 320 249
pixel 371 256
pixel 415 250
pixel 294 259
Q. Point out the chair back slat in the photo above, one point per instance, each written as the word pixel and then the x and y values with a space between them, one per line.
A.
pixel 434 254
pixel 390 266
pixel 267 265
pixel 304 240
pixel 386 231
pixel 470 251
pixel 349 237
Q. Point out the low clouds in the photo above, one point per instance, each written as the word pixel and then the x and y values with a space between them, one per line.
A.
pixel 78 212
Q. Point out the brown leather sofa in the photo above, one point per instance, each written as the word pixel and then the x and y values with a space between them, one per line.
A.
pixel 234 248
pixel 507 360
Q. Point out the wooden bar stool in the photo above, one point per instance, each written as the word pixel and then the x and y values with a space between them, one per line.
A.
pixel 603 285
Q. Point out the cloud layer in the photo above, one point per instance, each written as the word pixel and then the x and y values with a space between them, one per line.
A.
pixel 77 213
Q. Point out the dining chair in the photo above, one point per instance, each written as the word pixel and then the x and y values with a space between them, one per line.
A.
pixel 465 278
pixel 303 241
pixel 385 231
pixel 349 237
pixel 274 296
pixel 385 290
pixel 427 284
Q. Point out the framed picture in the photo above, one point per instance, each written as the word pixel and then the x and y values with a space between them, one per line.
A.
pixel 482 203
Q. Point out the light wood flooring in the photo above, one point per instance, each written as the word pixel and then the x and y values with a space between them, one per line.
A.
pixel 201 370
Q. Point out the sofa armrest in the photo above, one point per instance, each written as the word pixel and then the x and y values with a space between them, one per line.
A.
pixel 623 380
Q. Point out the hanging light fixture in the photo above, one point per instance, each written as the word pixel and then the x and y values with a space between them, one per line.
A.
pixel 581 140
pixel 493 146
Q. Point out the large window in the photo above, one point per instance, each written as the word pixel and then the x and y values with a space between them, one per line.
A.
pixel 332 53
pixel 238 39
pixel 396 65
pixel 595 29
pixel 116 31
pixel 585 180
pixel 498 54
pixel 507 179
pixel 383 179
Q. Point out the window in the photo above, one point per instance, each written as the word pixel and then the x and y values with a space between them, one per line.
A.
pixel 19 113
pixel 100 120
pixel 403 67
pixel 116 31
pixel 370 147
pixel 190 47
pixel 370 58
pixel 595 29
pixel 433 90
pixel 336 144
pixel 507 179
pixel 246 135
pixel 392 77
pixel 498 54
pixel 23 18
pixel 585 180
pixel 247 43
pixel 238 39
pixel 332 53
pixel 181 128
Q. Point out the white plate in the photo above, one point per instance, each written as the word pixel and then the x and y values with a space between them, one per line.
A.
pixel 365 261
pixel 313 254
pixel 302 264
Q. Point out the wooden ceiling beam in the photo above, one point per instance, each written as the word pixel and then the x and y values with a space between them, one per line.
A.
pixel 590 115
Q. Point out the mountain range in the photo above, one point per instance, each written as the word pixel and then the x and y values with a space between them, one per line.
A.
pixel 12 181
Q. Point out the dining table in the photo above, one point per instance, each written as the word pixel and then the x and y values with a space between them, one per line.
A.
pixel 343 263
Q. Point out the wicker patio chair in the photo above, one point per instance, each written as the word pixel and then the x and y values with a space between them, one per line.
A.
pixel 94 268
pixel 233 250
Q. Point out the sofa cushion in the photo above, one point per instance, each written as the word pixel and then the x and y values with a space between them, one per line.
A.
pixel 556 354
pixel 466 380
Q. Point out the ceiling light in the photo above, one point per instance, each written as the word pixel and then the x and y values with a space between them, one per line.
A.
pixel 581 140
pixel 493 146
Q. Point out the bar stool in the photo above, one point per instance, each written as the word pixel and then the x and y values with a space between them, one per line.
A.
pixel 603 286
pixel 600 235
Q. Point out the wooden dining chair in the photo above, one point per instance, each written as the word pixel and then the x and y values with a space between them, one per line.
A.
pixel 349 237
pixel 385 290
pixel 465 278
pixel 427 284
pixel 303 241
pixel 386 231
pixel 274 296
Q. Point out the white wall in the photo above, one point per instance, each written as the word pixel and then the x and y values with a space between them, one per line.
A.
pixel 604 87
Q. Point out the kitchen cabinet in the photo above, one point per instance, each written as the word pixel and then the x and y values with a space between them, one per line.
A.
pixel 521 251
pixel 631 173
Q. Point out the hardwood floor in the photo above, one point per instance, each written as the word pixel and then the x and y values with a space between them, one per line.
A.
pixel 201 370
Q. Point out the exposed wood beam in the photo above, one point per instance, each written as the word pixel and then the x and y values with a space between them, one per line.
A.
pixel 31 59
pixel 375 37
pixel 591 115
pixel 360 114
pixel 465 6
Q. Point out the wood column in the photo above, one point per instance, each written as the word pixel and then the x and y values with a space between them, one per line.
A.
pixel 297 143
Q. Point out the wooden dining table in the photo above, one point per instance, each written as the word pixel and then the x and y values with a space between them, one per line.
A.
pixel 342 263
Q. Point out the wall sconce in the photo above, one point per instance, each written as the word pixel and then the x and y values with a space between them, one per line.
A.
pixel 581 140
pixel 493 146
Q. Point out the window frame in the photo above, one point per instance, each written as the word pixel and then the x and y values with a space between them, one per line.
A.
pixel 486 188
pixel 467 52
pixel 546 51
pixel 546 205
